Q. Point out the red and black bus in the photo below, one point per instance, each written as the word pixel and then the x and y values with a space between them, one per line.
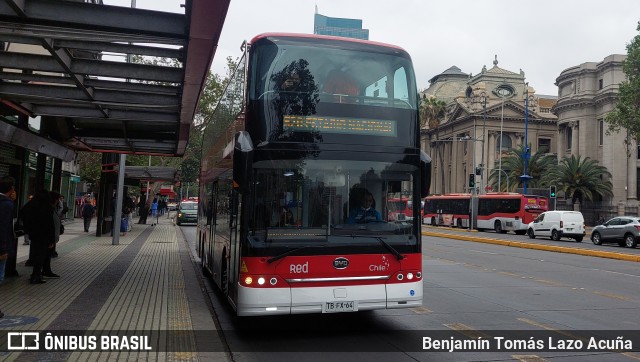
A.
pixel 312 127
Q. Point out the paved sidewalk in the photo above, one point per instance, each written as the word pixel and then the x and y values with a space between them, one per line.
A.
pixel 148 284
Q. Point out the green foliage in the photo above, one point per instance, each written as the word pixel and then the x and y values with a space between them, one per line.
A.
pixel 580 179
pixel 626 114
pixel 513 165
pixel 90 165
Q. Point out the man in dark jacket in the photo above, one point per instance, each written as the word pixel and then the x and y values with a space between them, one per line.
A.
pixel 7 237
pixel 39 224
pixel 87 213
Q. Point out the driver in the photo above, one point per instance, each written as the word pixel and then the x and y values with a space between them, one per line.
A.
pixel 365 213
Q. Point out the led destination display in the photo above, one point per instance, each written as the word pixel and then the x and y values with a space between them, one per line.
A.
pixel 362 126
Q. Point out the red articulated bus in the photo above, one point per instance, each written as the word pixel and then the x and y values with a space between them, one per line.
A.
pixel 289 179
pixel 447 210
pixel 499 211
pixel 509 211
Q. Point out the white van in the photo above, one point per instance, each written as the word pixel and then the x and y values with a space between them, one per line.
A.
pixel 558 224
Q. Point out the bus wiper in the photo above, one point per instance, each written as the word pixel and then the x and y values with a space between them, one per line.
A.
pixel 286 253
pixel 387 246
pixel 391 249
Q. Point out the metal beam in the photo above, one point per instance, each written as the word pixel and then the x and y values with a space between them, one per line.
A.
pixel 84 113
pixel 63 94
pixel 92 67
pixel 90 17
pixel 96 83
pixel 25 139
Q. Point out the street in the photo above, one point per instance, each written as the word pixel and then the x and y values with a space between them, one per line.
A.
pixel 470 288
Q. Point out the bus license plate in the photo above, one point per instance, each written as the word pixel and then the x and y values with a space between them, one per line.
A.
pixel 343 306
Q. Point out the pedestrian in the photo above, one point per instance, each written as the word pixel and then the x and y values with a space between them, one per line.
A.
pixel 143 209
pixel 7 236
pixel 87 213
pixel 39 223
pixel 154 210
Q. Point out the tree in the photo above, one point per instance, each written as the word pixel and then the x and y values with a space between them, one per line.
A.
pixel 580 179
pixel 432 113
pixel 513 164
pixel 626 114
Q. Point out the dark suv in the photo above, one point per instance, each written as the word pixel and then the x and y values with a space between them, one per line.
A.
pixel 187 213
pixel 624 230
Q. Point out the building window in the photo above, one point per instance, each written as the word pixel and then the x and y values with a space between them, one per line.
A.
pixel 600 84
pixel 600 131
pixel 569 133
pixel 505 141
pixel 545 110
pixel 544 145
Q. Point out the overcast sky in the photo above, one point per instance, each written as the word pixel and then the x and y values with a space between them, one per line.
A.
pixel 541 37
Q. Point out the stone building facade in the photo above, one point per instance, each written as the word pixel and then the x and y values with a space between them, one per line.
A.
pixel 480 109
pixel 586 93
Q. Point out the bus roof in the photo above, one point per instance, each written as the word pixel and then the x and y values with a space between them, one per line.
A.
pixel 326 37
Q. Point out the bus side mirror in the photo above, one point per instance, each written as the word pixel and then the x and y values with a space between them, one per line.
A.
pixel 425 174
pixel 242 160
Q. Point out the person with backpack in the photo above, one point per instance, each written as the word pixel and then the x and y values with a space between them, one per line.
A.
pixel 88 210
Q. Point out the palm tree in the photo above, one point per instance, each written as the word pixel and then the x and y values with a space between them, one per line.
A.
pixel 513 164
pixel 432 113
pixel 580 179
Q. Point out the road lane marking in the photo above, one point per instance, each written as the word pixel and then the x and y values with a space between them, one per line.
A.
pixel 528 357
pixel 466 330
pixel 421 310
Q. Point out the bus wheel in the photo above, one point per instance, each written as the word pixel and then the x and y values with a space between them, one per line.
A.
pixel 459 223
pixel 433 221
pixel 498 227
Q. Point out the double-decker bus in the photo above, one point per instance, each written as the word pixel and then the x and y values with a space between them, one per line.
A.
pixel 509 211
pixel 447 210
pixel 313 138
pixel 499 211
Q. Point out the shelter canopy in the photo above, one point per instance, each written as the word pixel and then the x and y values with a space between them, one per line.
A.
pixel 65 61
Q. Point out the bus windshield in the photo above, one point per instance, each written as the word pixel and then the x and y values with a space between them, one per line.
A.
pixel 330 201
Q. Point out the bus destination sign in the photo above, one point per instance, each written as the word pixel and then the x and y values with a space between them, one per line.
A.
pixel 362 126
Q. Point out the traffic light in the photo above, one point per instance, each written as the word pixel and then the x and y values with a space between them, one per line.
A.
pixel 552 191
pixel 472 180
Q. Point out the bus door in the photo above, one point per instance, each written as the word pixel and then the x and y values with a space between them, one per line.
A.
pixel 234 243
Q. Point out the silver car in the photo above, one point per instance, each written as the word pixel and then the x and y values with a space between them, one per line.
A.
pixel 624 230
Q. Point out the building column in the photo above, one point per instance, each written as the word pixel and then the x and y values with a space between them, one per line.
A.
pixel 575 146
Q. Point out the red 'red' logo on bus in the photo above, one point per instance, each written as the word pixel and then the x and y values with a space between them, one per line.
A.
pixel 341 263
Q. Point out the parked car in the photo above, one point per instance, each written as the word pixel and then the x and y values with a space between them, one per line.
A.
pixel 558 224
pixel 624 230
pixel 187 212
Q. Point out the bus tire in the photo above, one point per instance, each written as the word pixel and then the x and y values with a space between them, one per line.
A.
pixel 459 223
pixel 433 221
pixel 497 226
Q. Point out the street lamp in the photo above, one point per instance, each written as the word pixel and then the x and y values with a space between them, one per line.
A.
pixel 481 98
pixel 500 172
pixel 502 92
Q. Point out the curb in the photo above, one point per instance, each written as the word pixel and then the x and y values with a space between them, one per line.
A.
pixel 523 245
